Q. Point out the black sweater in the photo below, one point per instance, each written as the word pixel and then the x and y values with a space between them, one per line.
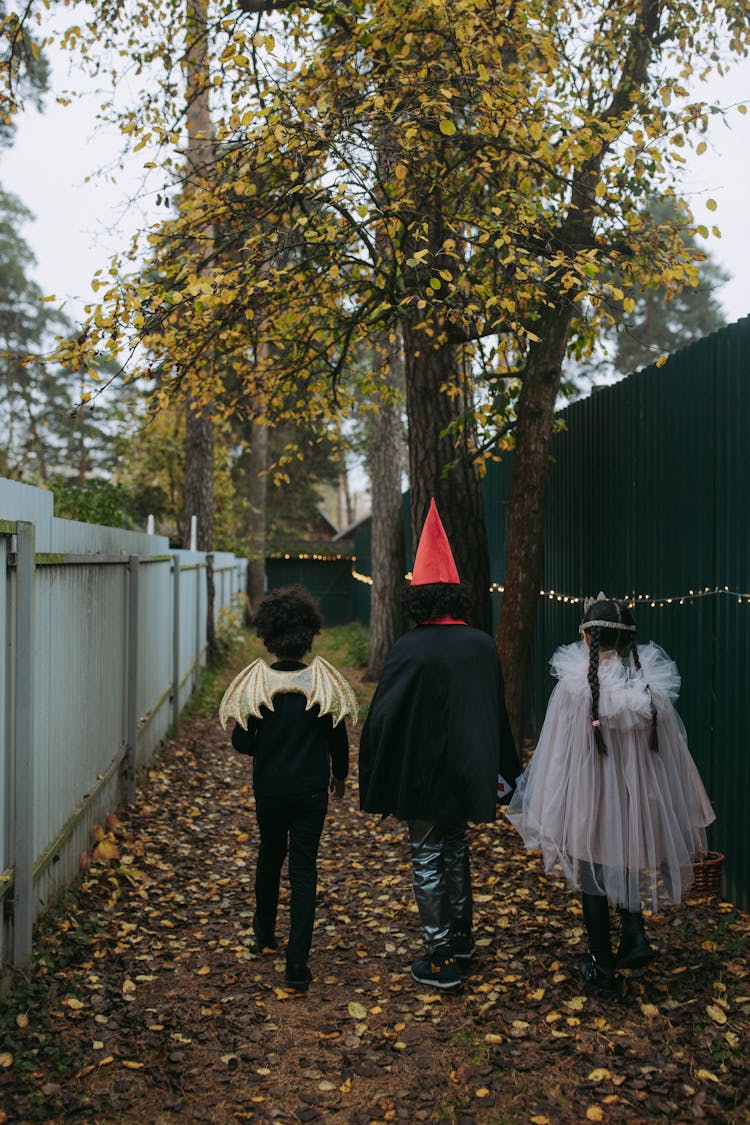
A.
pixel 294 750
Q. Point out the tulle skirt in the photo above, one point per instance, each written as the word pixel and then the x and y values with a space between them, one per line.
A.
pixel 626 824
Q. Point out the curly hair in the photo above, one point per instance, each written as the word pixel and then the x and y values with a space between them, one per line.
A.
pixel 287 620
pixel 436 599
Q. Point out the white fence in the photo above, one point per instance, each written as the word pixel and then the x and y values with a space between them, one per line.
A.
pixel 102 634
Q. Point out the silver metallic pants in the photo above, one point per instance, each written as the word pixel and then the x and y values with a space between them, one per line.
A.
pixel 442 879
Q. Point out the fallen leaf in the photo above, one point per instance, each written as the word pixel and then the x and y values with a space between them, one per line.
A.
pixel 717 1014
pixel 594 1113
pixel 357 1011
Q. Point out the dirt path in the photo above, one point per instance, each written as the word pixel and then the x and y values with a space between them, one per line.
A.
pixel 152 1007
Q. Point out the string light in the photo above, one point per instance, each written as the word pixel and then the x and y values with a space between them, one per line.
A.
pixel 631 599
pixel 316 558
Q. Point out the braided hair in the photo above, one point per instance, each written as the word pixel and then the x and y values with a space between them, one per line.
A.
pixel 620 636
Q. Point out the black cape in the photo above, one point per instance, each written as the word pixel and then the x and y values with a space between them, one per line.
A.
pixel 437 733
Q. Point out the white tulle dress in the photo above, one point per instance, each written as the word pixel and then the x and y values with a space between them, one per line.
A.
pixel 626 824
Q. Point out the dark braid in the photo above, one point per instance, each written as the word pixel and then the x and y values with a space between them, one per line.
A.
pixel 622 640
pixel 654 740
pixel 594 685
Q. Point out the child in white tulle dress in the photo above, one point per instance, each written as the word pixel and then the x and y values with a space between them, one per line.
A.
pixel 612 797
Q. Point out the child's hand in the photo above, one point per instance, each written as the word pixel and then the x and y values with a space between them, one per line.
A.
pixel 337 787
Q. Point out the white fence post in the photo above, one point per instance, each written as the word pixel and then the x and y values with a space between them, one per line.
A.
pixel 175 641
pixel 23 746
pixel 131 751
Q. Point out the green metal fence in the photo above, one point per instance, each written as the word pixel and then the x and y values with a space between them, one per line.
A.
pixel 328 577
pixel 649 498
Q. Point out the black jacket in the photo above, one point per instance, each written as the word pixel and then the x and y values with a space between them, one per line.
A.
pixel 294 750
pixel 437 733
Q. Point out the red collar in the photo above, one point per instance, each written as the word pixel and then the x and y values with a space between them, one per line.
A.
pixel 444 620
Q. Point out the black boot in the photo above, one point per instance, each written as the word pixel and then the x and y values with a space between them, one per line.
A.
pixel 635 949
pixel 598 971
pixel 598 977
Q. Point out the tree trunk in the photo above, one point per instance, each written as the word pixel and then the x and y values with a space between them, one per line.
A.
pixel 199 430
pixel 257 494
pixel 385 447
pixel 524 566
pixel 457 491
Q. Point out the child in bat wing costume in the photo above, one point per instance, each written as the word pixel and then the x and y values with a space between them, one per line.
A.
pixel 289 717
pixel 434 743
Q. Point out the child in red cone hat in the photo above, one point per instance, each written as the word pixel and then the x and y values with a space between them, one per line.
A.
pixel 434 743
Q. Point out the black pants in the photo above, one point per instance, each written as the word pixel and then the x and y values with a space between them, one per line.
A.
pixel 289 824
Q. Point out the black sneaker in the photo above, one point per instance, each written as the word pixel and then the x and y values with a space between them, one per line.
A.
pixel 298 976
pixel 599 979
pixel 439 969
pixel 462 945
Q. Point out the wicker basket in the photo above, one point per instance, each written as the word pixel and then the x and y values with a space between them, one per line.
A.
pixel 707 870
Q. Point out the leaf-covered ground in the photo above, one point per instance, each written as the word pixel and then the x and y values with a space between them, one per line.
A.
pixel 147 1004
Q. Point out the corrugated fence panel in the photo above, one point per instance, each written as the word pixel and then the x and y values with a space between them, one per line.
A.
pixel 79 687
pixel 731 774
pixel 5 690
pixel 154 653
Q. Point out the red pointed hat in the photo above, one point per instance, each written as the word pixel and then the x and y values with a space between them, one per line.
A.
pixel 433 561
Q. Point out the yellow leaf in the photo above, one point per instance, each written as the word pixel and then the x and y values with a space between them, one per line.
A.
pixel 575 1003
pixel 600 190
pixel 711 204
pixel 539 1119
pixel 649 1010
pixel 71 1002
pixel 6 1059
pixel 482 1092
pixel 447 127
pixel 105 1062
pixel 661 361
pixel 203 971
pixel 717 1014
pixel 131 1065
pixel 600 1074
pixel 535 130
pixel 706 1075
pixel 22 1020
pixel 357 1011
pixel 594 1113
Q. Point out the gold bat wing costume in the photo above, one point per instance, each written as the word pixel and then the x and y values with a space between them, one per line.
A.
pixel 255 687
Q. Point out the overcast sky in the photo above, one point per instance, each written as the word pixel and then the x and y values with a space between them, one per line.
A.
pixel 81 217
